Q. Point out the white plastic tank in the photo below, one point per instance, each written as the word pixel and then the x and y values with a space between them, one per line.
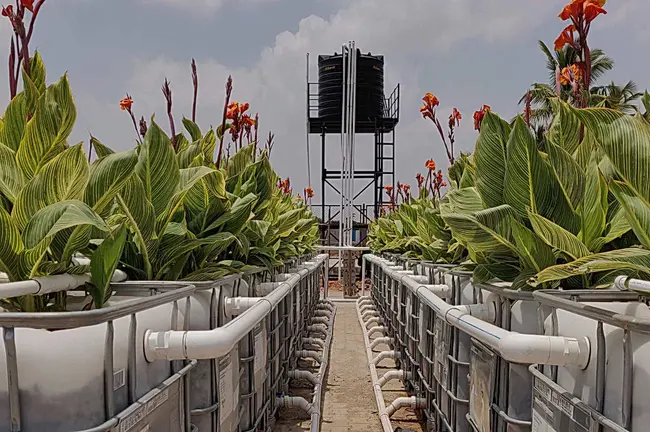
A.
pixel 582 383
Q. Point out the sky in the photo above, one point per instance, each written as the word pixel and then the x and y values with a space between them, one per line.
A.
pixel 467 52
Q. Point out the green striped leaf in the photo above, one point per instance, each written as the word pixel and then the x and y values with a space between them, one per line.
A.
pixel 631 259
pixel 104 263
pixel 557 237
pixel 57 217
pixel 63 178
pixel 11 246
pixel 107 177
pixel 485 231
pixel 193 129
pixel 47 131
pixel 157 168
pixel 637 210
pixel 100 149
pixel 568 173
pixel 594 206
pixel 490 158
pixel 565 129
pixel 11 178
pixel 626 142
pixel 37 71
pixel 15 119
pixel 531 249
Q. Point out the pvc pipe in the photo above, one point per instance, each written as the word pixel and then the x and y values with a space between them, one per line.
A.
pixel 393 375
pixel 369 314
pixel 320 320
pixel 309 354
pixel 382 340
pixel 322 372
pixel 513 347
pixel 384 418
pixel 385 355
pixel 344 248
pixel 295 402
pixel 237 305
pixel 314 341
pixel 322 313
pixel 212 344
pixel 317 328
pixel 378 329
pixel 371 321
pixel 625 284
pixel 303 374
pixel 363 277
pixel 402 402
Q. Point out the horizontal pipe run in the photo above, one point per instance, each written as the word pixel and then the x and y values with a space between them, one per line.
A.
pixel 624 283
pixel 212 344
pixel 513 347
pixel 50 284
pixel 322 372
pixel 344 248
pixel 403 402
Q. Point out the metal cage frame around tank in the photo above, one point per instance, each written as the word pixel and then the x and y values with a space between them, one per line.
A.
pixel 573 301
pixel 153 296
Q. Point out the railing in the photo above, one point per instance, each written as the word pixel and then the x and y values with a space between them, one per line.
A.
pixel 226 364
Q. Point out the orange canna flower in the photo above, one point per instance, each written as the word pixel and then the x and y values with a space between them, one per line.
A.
pixel 569 74
pixel 430 103
pixel 454 118
pixel 244 107
pixel 389 189
pixel 478 116
pixel 566 38
pixel 125 103
pixel 407 188
pixel 309 192
pixel 430 164
pixel 420 179
pixel 29 5
pixel 587 9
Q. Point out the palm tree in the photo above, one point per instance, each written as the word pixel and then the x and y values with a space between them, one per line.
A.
pixel 616 97
pixel 541 93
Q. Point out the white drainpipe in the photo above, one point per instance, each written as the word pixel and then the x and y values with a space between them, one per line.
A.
pixel 513 347
pixel 212 344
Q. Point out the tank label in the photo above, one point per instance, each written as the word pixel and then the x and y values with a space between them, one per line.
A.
pixel 119 379
pixel 226 391
pixel 556 411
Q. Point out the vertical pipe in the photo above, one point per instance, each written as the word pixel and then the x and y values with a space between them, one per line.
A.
pixel 109 392
pixel 307 132
pixel 323 177
pixel 131 371
pixel 353 115
pixel 9 337
pixel 363 276
pixel 627 379
pixel 343 142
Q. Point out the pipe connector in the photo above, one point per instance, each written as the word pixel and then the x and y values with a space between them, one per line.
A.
pixel 624 283
pixel 385 355
pixel 295 402
pixel 314 341
pixel 309 354
pixel 317 328
pixel 320 320
pixel 382 340
pixel 322 313
pixel 371 321
pixel 402 402
pixel 369 314
pixel 303 374
pixel 378 329
pixel 237 305
pixel 442 291
pixel 393 375
pixel 367 308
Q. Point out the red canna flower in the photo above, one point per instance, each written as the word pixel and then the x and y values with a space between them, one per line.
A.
pixel 243 108
pixel 420 179
pixel 454 118
pixel 28 4
pixel 389 190
pixel 478 117
pixel 125 103
pixel 430 164
pixel 309 192
pixel 407 188
pixel 8 11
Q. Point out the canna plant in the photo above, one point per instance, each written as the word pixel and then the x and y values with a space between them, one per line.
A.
pixel 53 200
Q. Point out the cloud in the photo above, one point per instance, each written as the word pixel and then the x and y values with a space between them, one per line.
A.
pixel 203 6
pixel 405 32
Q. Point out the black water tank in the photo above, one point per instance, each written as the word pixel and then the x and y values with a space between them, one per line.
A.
pixel 370 86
